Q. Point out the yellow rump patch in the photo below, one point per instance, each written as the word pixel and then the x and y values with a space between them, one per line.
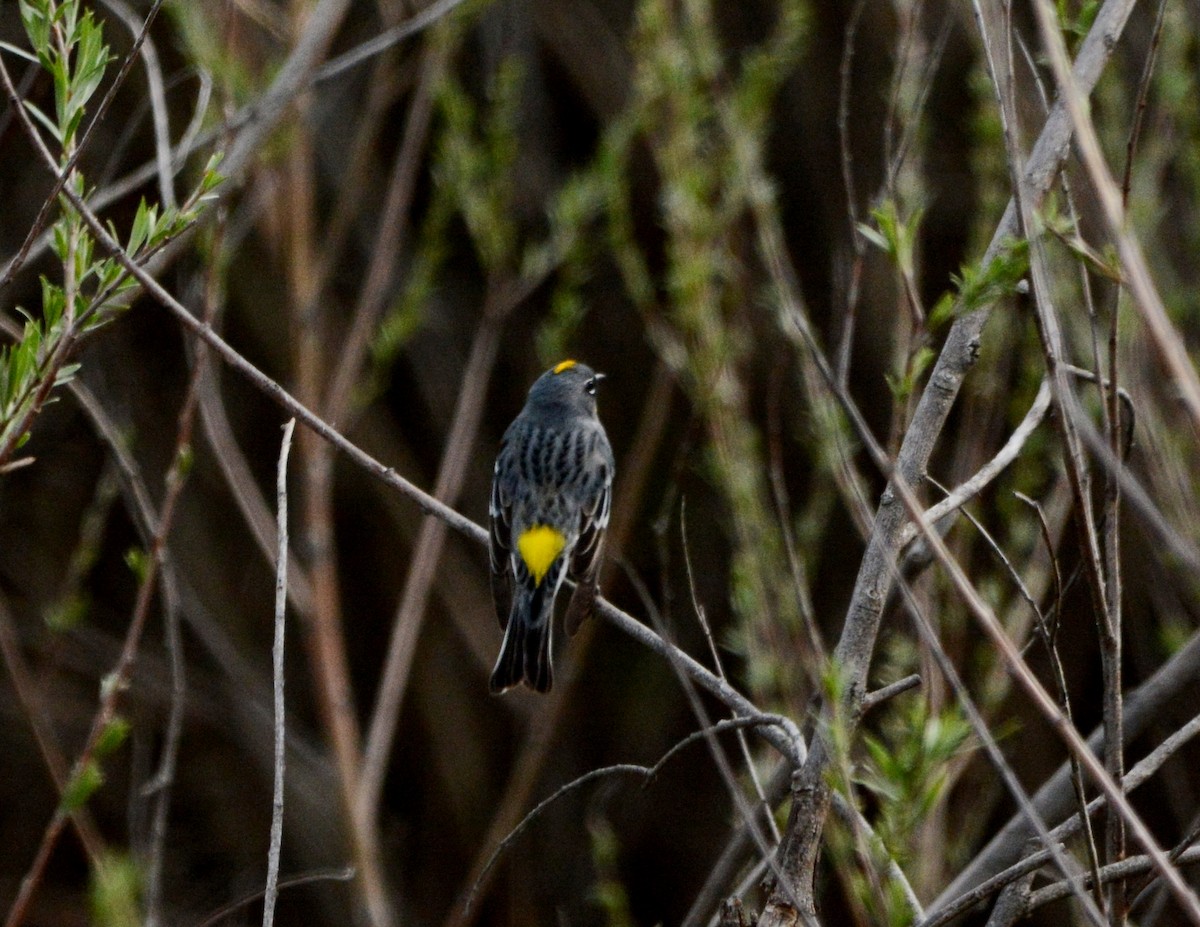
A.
pixel 564 365
pixel 538 547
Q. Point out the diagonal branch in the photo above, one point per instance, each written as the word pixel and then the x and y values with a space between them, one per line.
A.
pixel 790 744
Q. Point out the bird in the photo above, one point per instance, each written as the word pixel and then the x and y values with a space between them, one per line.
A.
pixel 549 508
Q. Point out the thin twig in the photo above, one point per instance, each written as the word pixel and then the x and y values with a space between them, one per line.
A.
pixel 277 661
pixel 818 654
pixel 1113 872
pixel 158 100
pixel 619 769
pixel 878 696
pixel 1113 706
pixel 737 725
pixel 843 123
pixel 698 609
pixel 970 488
pixel 321 875
pixel 857 242
pixel 385 40
pixel 1139 113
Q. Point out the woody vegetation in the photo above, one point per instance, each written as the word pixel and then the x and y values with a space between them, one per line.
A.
pixel 897 304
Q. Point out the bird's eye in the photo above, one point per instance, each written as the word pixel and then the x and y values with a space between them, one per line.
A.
pixel 590 386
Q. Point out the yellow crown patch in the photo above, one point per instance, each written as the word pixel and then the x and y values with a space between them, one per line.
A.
pixel 564 365
pixel 538 546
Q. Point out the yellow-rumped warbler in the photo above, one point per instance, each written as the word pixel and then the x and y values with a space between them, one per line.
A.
pixel 551 494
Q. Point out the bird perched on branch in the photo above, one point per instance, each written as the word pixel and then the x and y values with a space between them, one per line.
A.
pixel 551 495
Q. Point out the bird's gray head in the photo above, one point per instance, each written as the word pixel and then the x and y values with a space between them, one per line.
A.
pixel 569 384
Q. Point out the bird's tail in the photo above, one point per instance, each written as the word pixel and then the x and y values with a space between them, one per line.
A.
pixel 525 653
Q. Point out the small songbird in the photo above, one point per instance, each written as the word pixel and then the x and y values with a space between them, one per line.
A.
pixel 551 495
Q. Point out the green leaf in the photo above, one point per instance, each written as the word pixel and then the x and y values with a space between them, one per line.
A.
pixel 874 237
pixel 35 19
pixel 92 59
pixel 108 271
pixel 72 125
pixel 211 178
pixel 138 562
pixel 115 892
pixel 942 312
pixel 23 363
pixel 143 227
pixel 67 13
pixel 186 458
pixel 979 287
pixel 62 90
pixel 83 785
pixel 67 614
pixel 19 52
pixel 66 373
pixel 894 234
pixel 167 225
pixel 54 302
pixel 46 121
pixel 921 361
pixel 85 248
pixel 112 737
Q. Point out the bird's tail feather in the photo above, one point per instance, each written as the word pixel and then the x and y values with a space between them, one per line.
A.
pixel 525 653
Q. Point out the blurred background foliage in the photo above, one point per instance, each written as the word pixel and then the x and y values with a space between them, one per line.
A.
pixel 420 236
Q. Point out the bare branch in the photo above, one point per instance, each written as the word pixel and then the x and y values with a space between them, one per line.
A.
pixel 281 495
pixel 969 489
pixel 621 769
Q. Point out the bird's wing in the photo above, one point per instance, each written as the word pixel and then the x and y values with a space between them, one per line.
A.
pixel 499 538
pixel 586 557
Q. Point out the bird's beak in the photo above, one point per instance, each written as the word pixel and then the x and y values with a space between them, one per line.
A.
pixel 601 377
